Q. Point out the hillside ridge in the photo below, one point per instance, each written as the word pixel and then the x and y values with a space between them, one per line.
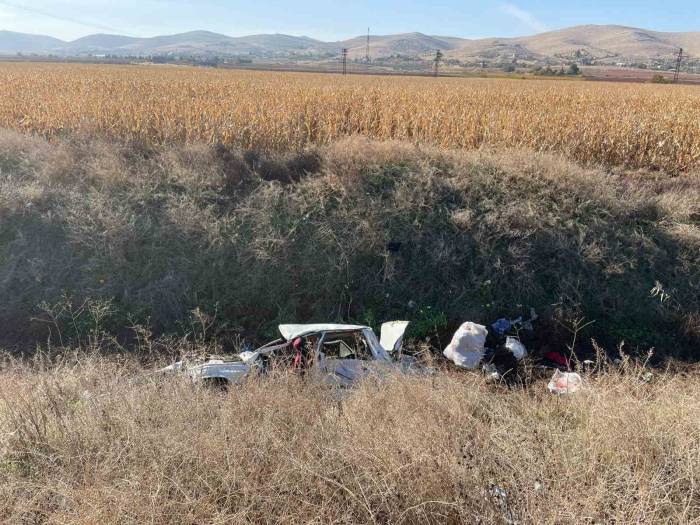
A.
pixel 593 42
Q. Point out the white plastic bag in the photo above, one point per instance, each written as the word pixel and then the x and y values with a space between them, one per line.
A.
pixel 466 349
pixel 516 348
pixel 564 383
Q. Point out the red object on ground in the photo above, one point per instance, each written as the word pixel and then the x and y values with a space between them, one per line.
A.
pixel 296 344
pixel 557 358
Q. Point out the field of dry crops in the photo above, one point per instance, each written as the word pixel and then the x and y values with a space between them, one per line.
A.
pixel 631 125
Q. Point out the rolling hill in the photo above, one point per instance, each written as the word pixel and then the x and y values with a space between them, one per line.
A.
pixel 11 42
pixel 407 44
pixel 593 41
pixel 193 43
pixel 600 42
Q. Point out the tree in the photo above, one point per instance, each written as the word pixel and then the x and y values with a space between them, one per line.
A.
pixel 573 70
pixel 658 79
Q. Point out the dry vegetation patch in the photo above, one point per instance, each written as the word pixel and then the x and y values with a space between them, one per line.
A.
pixel 87 439
pixel 357 230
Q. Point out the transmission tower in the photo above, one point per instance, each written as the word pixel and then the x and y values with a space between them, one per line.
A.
pixel 367 59
pixel 436 66
pixel 678 66
pixel 345 61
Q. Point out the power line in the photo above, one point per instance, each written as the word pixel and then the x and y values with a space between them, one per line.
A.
pixel 63 18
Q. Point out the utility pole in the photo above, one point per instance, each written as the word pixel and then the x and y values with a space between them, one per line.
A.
pixel 678 66
pixel 345 61
pixel 367 54
pixel 438 58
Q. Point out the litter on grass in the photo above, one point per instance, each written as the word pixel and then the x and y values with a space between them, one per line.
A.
pixel 504 325
pixel 516 348
pixel 466 349
pixel 564 383
pixel 491 372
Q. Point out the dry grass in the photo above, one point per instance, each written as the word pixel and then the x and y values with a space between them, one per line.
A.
pixel 94 440
pixel 629 125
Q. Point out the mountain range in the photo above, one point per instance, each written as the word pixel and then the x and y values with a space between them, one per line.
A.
pixel 594 42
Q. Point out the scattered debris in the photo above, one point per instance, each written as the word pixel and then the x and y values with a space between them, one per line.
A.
pixel 504 325
pixel 391 335
pixel 500 498
pixel 491 372
pixel 249 357
pixel 466 349
pixel 564 383
pixel 516 348
pixel 558 359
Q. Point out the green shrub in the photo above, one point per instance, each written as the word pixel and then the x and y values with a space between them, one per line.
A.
pixel 573 70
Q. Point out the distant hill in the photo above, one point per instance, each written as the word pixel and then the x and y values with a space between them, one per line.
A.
pixel 23 43
pixel 194 43
pixel 407 44
pixel 98 43
pixel 600 43
pixel 597 42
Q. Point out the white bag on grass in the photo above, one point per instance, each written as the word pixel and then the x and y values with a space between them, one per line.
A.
pixel 466 349
pixel 564 383
pixel 516 348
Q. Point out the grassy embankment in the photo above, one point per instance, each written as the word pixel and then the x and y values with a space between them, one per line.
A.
pixel 358 230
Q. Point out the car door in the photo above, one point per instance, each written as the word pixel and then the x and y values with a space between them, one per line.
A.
pixel 391 336
pixel 344 358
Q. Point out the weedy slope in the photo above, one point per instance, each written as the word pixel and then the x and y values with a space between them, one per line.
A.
pixel 358 230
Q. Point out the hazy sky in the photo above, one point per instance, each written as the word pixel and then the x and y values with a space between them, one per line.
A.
pixel 335 19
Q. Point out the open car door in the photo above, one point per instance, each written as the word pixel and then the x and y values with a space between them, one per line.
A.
pixel 391 337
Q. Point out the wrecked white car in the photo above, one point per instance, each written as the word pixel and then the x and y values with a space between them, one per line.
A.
pixel 336 354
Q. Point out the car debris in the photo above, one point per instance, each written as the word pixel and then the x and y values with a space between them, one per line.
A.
pixel 338 354
pixel 391 335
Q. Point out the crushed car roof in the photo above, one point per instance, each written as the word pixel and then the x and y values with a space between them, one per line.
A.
pixel 292 331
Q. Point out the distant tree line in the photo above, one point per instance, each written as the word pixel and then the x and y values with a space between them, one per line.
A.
pixel 548 71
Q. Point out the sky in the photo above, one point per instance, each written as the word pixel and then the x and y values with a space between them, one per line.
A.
pixel 335 19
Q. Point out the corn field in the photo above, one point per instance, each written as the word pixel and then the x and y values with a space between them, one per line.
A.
pixel 633 125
